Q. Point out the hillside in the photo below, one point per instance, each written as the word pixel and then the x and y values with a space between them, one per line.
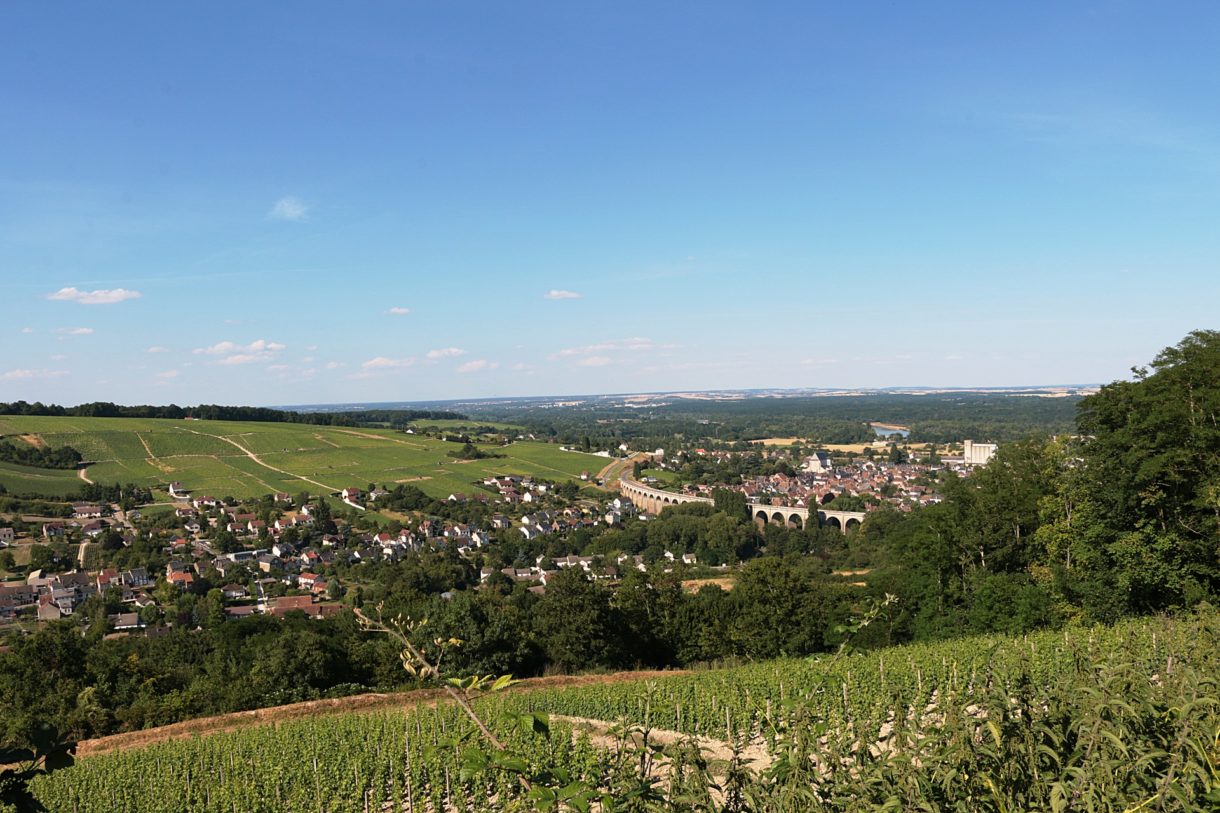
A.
pixel 1092 717
pixel 238 459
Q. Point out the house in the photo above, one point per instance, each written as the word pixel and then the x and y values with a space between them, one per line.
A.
pixel 378 494
pixel 7 536
pixel 183 580
pixel 136 577
pixel 178 492
pixel 499 521
pixel 307 579
pixel 54 529
pixel 93 529
pixel 318 588
pixel 86 511
pixel 241 611
pixel 287 604
pixel 349 494
pixel 284 497
pixel 234 592
pixel 125 621
pixel 283 549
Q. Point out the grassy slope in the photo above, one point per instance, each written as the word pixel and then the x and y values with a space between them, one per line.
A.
pixel 205 456
pixel 24 479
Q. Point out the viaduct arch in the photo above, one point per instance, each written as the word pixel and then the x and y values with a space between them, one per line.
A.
pixel 654 500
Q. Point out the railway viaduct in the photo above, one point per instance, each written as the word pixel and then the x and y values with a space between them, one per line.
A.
pixel 654 501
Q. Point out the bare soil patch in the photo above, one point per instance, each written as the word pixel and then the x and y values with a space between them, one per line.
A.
pixel 34 440
pixel 695 585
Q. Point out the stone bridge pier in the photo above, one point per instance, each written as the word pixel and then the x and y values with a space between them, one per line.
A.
pixel 655 500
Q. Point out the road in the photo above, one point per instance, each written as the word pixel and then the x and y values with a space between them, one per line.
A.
pixel 610 474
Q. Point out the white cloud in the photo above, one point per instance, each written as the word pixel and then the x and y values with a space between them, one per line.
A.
pixel 278 368
pixel 27 330
pixel 334 365
pixel 156 348
pixel 98 297
pixel 521 367
pixel 168 374
pixel 58 357
pixel 445 353
pixel 396 311
pixel 74 331
pixel 478 365
pixel 634 345
pixel 555 293
pixel 594 361
pixel 25 375
pixel 256 351
pixel 289 208
pixel 383 363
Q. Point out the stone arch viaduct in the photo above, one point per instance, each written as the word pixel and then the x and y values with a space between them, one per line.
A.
pixel 654 501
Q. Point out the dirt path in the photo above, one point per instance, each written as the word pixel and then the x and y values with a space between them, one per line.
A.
pixel 381 437
pixel 152 458
pixel 80 552
pixel 83 474
pixel 255 458
pixel 343 705
pixel 754 754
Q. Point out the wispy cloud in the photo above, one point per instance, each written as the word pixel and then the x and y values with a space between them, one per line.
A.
pixel 398 311
pixel 634 345
pixel 556 293
pixel 168 374
pixel 334 365
pixel 233 353
pixel 595 361
pixel 384 363
pixel 478 366
pixel 27 330
pixel 289 208
pixel 26 375
pixel 74 331
pixel 445 353
pixel 156 348
pixel 99 297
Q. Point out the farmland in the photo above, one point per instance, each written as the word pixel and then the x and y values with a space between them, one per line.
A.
pixel 1107 716
pixel 229 458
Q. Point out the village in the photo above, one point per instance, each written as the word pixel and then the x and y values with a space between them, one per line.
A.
pixel 286 554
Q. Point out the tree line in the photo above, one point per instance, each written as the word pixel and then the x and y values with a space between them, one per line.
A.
pixel 218 412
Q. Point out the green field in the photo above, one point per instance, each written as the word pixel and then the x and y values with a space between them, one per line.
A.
pixel 25 480
pixel 214 457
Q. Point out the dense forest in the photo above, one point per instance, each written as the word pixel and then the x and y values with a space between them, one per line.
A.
pixel 934 418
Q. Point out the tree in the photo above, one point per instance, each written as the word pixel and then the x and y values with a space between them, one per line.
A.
pixel 1150 463
pixel 575 625
pixel 730 502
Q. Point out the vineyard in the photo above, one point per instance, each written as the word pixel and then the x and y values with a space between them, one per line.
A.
pixel 249 459
pixel 1104 718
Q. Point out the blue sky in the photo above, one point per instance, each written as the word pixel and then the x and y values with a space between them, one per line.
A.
pixel 302 202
